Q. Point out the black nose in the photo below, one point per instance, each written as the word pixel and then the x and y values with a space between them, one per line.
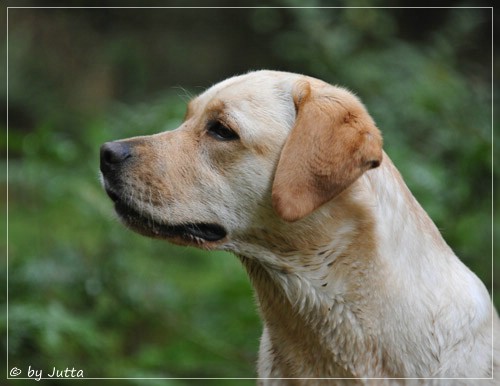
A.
pixel 113 154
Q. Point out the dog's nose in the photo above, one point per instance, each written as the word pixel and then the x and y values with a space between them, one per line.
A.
pixel 113 154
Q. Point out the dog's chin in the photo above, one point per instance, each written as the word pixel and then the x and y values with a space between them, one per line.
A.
pixel 199 234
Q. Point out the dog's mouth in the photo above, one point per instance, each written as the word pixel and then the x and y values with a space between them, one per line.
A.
pixel 197 233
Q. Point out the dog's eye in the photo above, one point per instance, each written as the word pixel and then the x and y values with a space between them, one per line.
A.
pixel 221 132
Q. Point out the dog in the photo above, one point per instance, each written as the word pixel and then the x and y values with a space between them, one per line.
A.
pixel 354 282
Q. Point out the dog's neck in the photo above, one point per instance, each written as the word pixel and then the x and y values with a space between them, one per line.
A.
pixel 305 284
pixel 317 289
pixel 300 336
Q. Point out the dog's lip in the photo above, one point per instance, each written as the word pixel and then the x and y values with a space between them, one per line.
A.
pixel 189 232
pixel 114 197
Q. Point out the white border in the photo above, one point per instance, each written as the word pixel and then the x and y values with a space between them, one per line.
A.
pixel 7 196
pixel 492 201
pixel 250 378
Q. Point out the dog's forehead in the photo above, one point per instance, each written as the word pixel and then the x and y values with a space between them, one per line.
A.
pixel 261 88
pixel 257 82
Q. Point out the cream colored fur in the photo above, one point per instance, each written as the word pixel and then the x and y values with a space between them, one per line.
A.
pixel 352 277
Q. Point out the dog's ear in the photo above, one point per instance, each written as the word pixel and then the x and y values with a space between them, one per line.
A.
pixel 334 141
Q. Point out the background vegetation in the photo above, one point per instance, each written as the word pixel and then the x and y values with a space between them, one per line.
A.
pixel 86 293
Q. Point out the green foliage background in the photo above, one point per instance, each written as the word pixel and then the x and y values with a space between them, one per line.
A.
pixel 86 293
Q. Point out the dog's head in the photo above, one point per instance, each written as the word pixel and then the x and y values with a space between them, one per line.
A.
pixel 265 145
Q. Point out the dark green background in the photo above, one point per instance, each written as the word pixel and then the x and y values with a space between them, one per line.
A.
pixel 84 292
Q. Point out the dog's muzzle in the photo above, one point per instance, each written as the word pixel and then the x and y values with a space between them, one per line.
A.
pixel 115 158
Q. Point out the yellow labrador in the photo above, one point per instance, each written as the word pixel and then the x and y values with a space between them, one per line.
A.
pixel 353 278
